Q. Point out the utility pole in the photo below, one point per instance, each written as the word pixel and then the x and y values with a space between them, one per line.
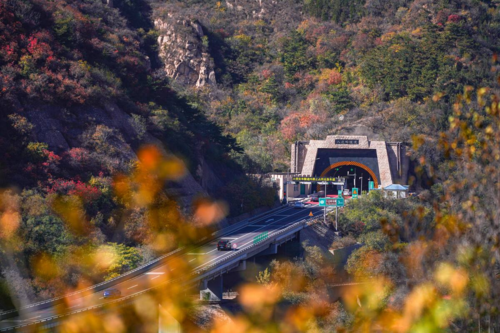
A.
pixel 324 211
pixel 286 186
pixel 336 218
pixel 324 215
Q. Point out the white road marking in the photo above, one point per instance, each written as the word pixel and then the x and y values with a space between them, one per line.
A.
pixel 133 286
pixel 229 238
pixel 265 226
pixel 244 235
pixel 155 273
pixel 262 219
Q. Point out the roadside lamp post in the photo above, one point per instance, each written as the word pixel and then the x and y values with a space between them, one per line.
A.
pixel 286 186
pixel 361 184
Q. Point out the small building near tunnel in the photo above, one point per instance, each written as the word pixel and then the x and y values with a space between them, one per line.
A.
pixel 354 159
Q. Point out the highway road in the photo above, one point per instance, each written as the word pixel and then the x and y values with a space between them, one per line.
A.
pixel 197 258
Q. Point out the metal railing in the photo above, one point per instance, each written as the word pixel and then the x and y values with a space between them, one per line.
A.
pixel 271 238
pixel 305 222
pixel 241 251
pixel 124 276
pixel 244 223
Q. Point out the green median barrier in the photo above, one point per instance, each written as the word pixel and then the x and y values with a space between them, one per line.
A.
pixel 260 238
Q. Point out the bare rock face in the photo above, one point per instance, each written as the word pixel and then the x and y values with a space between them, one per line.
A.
pixel 256 8
pixel 288 12
pixel 183 52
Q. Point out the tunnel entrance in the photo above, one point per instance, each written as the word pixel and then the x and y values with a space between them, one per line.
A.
pixel 355 174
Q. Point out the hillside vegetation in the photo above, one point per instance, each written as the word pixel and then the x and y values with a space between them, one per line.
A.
pixel 293 70
pixel 103 154
pixel 81 95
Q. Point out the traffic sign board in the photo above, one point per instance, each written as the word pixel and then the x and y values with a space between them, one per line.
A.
pixel 260 237
pixel 323 202
pixel 340 193
pixel 371 185
pixel 354 192
pixel 340 202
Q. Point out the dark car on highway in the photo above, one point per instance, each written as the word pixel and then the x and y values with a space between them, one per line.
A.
pixel 112 293
pixel 224 245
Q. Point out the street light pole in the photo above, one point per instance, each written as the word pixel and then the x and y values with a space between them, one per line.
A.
pixel 324 210
pixel 336 218
pixel 361 184
pixel 286 186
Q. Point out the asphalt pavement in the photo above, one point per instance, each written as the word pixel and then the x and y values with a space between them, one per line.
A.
pixel 197 258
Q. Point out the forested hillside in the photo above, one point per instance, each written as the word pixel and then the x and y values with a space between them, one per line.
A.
pixel 422 72
pixel 83 104
pixel 292 70
pixel 127 128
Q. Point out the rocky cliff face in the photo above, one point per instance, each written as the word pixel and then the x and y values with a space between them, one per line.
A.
pixel 184 52
pixel 289 12
pixel 256 8
pixel 63 129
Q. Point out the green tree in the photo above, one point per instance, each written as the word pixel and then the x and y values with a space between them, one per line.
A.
pixel 45 233
pixel 124 259
pixel 294 56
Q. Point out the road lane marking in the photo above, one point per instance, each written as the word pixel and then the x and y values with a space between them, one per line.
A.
pixel 133 286
pixel 265 226
pixel 243 236
pixel 282 228
pixel 282 210
pixel 155 273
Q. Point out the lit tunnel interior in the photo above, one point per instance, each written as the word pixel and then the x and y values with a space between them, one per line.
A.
pixel 355 175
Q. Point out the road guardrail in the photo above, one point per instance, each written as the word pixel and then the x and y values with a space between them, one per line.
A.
pixel 305 222
pixel 130 274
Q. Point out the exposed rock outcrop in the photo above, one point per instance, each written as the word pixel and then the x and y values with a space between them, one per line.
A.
pixel 289 13
pixel 63 129
pixel 184 52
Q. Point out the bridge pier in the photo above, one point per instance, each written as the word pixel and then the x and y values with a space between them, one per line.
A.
pixel 241 267
pixel 211 290
pixel 272 249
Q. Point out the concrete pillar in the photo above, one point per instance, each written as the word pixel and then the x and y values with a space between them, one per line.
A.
pixel 211 290
pixel 241 267
pixel 272 249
